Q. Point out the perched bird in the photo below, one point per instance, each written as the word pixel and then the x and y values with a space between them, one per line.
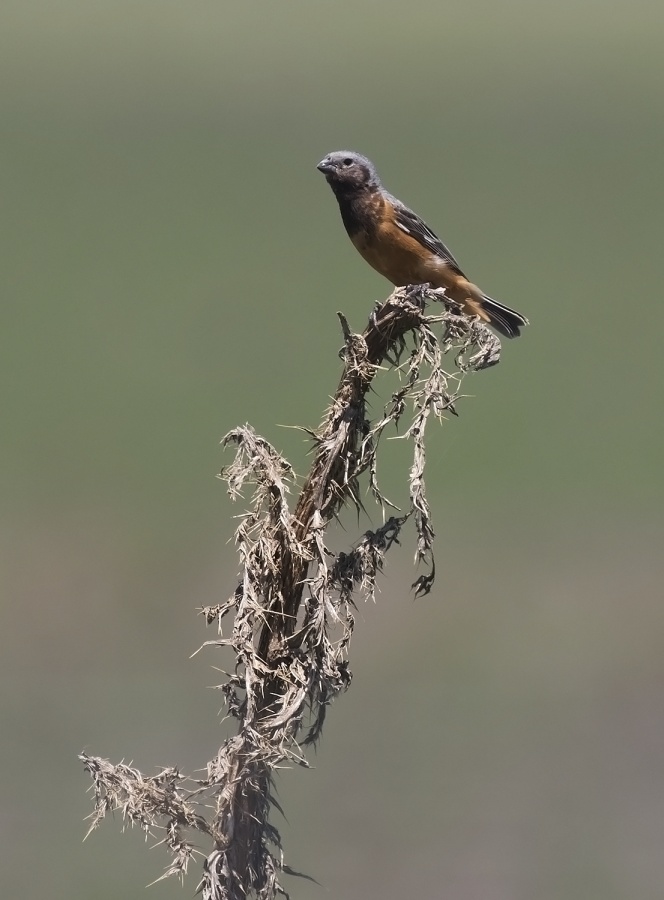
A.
pixel 399 245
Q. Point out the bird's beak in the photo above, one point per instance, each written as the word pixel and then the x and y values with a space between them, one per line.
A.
pixel 326 167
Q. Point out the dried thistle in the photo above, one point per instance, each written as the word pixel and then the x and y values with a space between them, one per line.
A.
pixel 292 617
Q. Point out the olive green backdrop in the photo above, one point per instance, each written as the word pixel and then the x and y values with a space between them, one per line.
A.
pixel 172 265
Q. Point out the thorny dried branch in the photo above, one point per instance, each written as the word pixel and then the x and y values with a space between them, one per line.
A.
pixel 292 609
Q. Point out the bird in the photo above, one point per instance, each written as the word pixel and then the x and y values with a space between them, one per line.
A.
pixel 400 245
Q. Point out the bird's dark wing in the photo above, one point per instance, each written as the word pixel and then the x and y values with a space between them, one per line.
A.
pixel 411 224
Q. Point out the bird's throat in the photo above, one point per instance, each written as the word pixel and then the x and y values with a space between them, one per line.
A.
pixel 359 210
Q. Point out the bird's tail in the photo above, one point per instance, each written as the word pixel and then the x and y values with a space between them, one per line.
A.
pixel 505 320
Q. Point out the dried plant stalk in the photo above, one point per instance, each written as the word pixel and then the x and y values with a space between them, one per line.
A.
pixel 292 609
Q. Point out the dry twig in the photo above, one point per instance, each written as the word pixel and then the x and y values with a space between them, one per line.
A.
pixel 292 608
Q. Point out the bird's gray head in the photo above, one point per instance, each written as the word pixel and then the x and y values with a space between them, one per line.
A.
pixel 345 170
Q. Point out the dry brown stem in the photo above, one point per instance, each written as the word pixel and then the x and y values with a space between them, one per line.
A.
pixel 292 608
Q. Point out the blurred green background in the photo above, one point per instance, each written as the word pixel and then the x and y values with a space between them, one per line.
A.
pixel 172 264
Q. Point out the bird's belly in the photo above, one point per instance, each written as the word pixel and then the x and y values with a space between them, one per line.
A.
pixel 402 262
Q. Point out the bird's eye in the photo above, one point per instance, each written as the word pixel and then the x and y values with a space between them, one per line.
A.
pixel 348 161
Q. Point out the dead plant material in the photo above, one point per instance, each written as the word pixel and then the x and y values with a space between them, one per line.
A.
pixel 292 610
